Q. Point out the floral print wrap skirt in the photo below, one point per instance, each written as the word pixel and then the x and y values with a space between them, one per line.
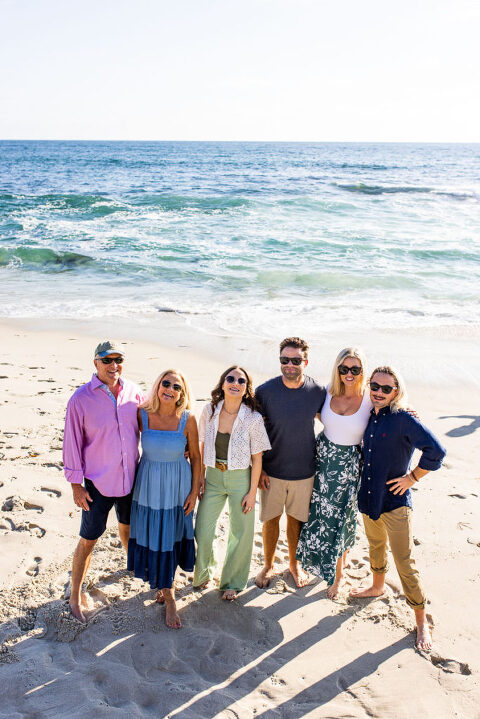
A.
pixel 332 521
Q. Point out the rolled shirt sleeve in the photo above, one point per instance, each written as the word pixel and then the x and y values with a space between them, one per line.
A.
pixel 73 443
pixel 425 441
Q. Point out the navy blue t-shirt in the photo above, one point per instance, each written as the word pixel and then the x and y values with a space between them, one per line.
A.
pixel 289 417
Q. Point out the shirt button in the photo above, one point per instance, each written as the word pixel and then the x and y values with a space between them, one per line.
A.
pixel 369 450
pixel 371 435
pixel 369 491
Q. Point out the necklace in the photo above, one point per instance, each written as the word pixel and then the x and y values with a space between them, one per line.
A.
pixel 230 413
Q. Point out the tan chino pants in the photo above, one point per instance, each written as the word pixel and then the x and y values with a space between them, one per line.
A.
pixel 395 527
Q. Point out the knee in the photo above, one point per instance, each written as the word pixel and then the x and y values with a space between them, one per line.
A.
pixel 86 545
pixel 272 523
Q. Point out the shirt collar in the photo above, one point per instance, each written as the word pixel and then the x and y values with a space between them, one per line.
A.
pixel 98 383
pixel 384 410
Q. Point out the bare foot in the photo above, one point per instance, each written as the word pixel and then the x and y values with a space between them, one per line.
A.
pixel 371 591
pixel 172 619
pixel 332 591
pixel 76 612
pixel 229 594
pixel 300 576
pixel 263 578
pixel 159 598
pixel 424 637
pixel 200 587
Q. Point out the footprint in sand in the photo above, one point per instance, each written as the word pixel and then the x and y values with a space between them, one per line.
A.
pixel 9 525
pixel 13 504
pixel 57 465
pixel 452 666
pixel 27 621
pixel 51 492
pixel 34 568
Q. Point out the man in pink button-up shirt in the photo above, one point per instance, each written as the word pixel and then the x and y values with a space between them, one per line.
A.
pixel 100 456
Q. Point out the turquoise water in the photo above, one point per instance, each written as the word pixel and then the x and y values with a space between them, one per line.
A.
pixel 242 238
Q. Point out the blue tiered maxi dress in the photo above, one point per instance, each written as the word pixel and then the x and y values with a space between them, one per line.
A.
pixel 161 536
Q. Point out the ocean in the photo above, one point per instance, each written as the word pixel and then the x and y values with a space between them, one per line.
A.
pixel 242 239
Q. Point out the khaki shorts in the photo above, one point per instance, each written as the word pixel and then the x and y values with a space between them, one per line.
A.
pixel 292 494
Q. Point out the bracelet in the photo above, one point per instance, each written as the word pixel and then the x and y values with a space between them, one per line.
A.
pixel 413 475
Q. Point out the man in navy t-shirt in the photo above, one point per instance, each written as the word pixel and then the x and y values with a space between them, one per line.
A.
pixel 289 404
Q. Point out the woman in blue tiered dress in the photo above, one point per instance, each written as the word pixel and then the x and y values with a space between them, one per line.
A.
pixel 166 488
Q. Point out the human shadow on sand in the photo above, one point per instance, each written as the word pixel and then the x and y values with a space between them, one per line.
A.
pixel 127 659
pixel 464 429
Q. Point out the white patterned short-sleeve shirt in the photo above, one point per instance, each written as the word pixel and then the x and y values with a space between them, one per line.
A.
pixel 248 437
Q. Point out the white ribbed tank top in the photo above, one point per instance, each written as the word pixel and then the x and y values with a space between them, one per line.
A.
pixel 345 429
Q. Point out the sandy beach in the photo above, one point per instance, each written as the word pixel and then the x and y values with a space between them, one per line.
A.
pixel 277 653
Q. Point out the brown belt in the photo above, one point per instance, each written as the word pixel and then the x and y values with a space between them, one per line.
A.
pixel 222 466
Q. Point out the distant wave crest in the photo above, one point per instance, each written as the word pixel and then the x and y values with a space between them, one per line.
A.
pixel 361 188
pixel 42 257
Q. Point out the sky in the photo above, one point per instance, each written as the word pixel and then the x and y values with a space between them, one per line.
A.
pixel 267 70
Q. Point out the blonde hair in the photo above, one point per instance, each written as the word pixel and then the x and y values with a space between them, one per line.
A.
pixel 336 386
pixel 152 403
pixel 400 401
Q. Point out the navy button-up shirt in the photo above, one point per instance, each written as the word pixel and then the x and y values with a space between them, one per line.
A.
pixel 388 445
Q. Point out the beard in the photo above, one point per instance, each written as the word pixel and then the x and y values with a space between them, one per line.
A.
pixel 290 372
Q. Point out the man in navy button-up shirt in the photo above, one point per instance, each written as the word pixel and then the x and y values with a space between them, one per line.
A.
pixel 391 436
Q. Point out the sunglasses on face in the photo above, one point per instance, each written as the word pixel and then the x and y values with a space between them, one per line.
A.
pixel 296 361
pixel 238 380
pixel 109 360
pixel 166 383
pixel 385 388
pixel 344 370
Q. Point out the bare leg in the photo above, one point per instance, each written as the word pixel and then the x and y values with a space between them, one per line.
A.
pixel 159 598
pixel 172 619
pixel 124 534
pixel 270 532
pixel 424 637
pixel 374 590
pixel 299 575
pixel 81 563
pixel 332 591
pixel 345 559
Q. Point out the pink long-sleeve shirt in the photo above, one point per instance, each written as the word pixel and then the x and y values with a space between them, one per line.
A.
pixel 101 437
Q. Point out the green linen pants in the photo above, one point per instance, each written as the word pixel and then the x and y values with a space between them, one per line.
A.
pixel 233 484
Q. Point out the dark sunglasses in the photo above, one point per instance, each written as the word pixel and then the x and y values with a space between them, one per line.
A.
pixel 343 369
pixel 166 383
pixel 231 379
pixel 386 388
pixel 294 360
pixel 109 360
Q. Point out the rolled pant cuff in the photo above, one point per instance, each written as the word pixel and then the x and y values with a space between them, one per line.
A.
pixel 382 570
pixel 415 606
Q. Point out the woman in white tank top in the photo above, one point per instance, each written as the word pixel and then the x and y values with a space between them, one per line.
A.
pixel 331 526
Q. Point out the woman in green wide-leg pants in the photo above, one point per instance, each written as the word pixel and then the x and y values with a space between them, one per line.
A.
pixel 232 440
pixel 231 485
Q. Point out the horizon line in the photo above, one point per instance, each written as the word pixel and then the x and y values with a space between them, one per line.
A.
pixel 312 142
